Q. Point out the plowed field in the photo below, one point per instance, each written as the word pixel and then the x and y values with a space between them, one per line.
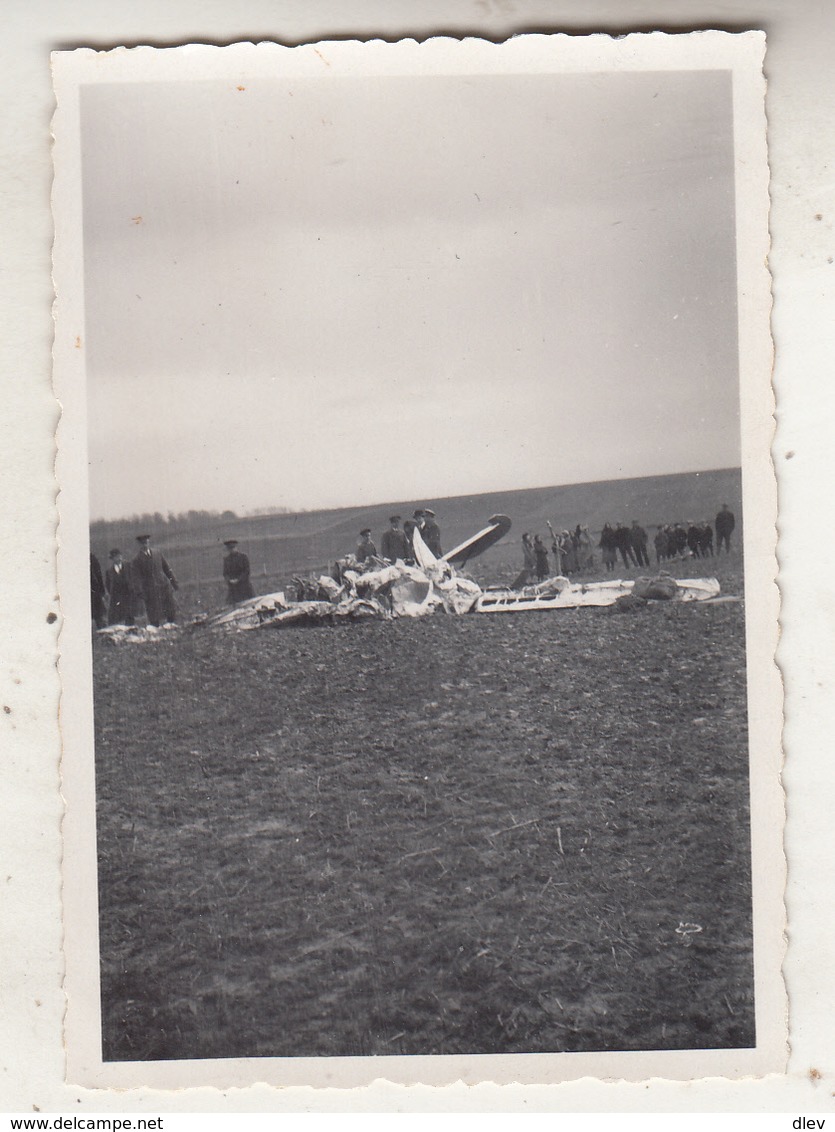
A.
pixel 485 834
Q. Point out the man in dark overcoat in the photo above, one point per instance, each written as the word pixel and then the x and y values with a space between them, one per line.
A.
pixel 394 544
pixel 725 523
pixel 679 538
pixel 431 533
pixel 155 582
pixel 638 539
pixel 693 538
pixel 608 546
pixel 660 541
pixel 623 542
pixel 409 528
pixel 117 582
pixel 236 573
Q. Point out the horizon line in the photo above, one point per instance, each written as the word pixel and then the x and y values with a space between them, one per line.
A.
pixel 290 511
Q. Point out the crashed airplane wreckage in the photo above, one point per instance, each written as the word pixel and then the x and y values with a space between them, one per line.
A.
pixel 381 591
pixel 386 591
pixel 375 588
pixel 560 593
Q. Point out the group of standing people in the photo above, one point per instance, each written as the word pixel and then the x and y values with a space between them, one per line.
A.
pixel 397 543
pixel 630 542
pixel 572 551
pixel 695 540
pixel 118 594
pixel 534 560
pixel 683 540
pixel 146 579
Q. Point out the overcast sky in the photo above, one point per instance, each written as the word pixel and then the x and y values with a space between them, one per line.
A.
pixel 341 291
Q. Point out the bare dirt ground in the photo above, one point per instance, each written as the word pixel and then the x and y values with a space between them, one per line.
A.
pixel 486 834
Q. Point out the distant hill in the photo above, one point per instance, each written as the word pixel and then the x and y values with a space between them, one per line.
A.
pixel 281 545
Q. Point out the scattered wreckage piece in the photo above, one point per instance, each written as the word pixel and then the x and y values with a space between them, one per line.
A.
pixel 560 593
pixel 454 594
pixel 274 611
pixel 249 614
pixel 138 634
pixel 325 613
pixel 405 590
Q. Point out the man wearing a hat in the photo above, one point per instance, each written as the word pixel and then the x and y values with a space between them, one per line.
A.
pixel 431 532
pixel 155 581
pixel 117 582
pixel 236 573
pixel 394 545
pixel 365 547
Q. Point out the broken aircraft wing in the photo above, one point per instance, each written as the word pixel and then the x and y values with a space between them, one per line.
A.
pixel 478 543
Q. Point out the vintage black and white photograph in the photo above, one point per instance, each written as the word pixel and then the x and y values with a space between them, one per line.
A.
pixel 414 431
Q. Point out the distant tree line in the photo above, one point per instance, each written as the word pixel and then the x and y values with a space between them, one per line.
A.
pixel 157 524
pixel 154 522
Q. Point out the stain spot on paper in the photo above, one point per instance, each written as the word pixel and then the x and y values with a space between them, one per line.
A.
pixel 78 342
pixel 790 454
pixel 7 709
pixel 136 220
pixel 322 57
pixel 51 618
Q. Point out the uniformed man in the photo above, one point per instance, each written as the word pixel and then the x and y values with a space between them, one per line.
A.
pixel 236 573
pixel 365 547
pixel 394 545
pixel 431 532
pixel 155 581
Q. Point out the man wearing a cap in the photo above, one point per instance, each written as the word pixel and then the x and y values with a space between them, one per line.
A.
pixel 431 532
pixel 394 544
pixel 120 594
pixel 236 573
pixel 155 581
pixel 410 526
pixel 365 547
